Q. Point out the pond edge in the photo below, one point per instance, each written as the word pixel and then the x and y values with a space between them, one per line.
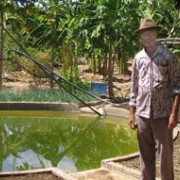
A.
pixel 54 171
pixel 108 109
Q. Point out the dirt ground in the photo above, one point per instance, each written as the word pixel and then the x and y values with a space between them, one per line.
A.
pixel 134 163
pixel 39 176
pixel 23 80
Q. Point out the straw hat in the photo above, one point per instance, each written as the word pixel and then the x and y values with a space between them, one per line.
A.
pixel 147 24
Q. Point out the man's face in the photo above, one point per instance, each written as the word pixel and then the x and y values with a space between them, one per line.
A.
pixel 148 37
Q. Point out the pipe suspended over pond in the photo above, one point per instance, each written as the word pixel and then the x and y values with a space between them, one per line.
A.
pixel 52 74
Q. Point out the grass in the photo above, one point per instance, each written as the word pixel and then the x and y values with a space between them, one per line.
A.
pixel 42 95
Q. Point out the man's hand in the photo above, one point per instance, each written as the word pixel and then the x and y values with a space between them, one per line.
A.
pixel 132 121
pixel 173 119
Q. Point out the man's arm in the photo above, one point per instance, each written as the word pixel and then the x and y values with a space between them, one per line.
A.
pixel 173 119
pixel 132 120
pixel 175 78
pixel 133 95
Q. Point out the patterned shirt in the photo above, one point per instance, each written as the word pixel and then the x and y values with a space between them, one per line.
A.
pixel 152 83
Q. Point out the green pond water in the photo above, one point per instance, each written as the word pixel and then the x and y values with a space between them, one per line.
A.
pixel 70 141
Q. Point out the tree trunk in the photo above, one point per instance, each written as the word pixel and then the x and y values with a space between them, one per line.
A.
pixel 52 65
pixel 94 65
pixel 110 71
pixel 99 65
pixel 1 48
pixel 104 68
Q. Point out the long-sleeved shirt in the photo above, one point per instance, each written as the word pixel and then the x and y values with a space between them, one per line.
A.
pixel 152 83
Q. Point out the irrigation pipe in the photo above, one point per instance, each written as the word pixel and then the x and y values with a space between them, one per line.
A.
pixel 173 41
pixel 25 53
pixel 42 66
pixel 46 68
pixel 52 72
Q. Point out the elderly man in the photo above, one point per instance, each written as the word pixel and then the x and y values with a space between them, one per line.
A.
pixel 154 102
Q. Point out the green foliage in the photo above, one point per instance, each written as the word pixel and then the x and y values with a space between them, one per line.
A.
pixel 42 57
pixel 85 28
pixel 41 95
pixel 164 13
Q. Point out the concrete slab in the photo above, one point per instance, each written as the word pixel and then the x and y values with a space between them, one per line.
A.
pixel 55 106
pixel 102 174
pixel 108 110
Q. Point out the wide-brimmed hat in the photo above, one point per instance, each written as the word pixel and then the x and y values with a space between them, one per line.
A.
pixel 147 24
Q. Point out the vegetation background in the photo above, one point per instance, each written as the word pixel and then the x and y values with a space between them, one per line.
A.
pixel 62 34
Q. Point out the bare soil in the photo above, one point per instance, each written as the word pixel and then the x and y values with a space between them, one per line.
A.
pixel 37 176
pixel 134 163
pixel 23 80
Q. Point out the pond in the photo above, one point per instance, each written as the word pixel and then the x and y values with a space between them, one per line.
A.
pixel 70 141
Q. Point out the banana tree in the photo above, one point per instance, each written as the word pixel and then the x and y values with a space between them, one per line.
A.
pixel 4 7
pixel 9 10
pixel 1 45
pixel 166 14
pixel 105 26
pixel 44 26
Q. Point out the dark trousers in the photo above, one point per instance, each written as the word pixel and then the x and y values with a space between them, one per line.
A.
pixel 154 133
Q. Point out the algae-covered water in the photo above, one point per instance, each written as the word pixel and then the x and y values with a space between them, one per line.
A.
pixel 70 141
